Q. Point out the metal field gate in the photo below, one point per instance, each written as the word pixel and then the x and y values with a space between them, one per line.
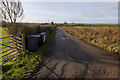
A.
pixel 11 47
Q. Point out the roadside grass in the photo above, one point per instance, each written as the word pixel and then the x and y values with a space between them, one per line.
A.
pixel 3 34
pixel 26 65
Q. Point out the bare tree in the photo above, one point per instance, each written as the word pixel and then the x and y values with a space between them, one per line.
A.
pixel 12 11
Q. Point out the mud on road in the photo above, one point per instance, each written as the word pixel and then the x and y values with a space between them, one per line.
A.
pixel 71 58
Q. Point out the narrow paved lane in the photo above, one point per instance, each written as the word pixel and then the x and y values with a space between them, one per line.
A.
pixel 70 58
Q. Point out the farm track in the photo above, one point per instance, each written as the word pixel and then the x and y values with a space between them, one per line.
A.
pixel 71 58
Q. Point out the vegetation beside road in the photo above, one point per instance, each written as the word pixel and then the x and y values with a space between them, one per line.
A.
pixel 27 64
pixel 4 34
pixel 103 37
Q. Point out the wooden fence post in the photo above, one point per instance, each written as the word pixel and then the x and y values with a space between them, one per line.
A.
pixel 24 47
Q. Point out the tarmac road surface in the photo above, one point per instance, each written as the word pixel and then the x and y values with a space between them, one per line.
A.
pixel 72 58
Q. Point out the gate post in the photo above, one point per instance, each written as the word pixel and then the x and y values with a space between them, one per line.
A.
pixel 23 38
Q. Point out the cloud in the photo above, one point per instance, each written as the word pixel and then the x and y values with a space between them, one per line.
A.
pixel 88 12
pixel 103 12
pixel 70 0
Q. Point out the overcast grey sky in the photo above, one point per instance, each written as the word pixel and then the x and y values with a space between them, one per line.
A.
pixel 73 12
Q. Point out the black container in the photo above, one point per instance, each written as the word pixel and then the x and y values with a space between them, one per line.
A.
pixel 43 37
pixel 33 42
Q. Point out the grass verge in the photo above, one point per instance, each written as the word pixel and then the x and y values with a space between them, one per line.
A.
pixel 3 34
pixel 27 64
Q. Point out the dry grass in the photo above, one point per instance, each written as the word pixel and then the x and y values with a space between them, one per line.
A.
pixel 106 38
